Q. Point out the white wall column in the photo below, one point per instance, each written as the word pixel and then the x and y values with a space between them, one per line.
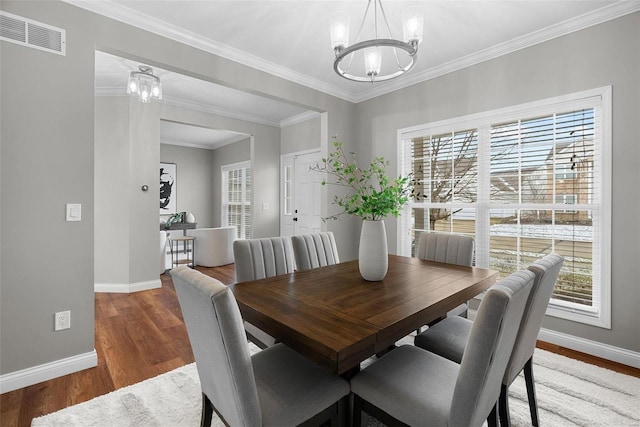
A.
pixel 127 156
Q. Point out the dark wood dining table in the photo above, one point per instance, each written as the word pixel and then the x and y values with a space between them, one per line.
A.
pixel 337 319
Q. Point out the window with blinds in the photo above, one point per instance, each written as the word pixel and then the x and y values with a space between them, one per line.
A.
pixel 236 198
pixel 524 181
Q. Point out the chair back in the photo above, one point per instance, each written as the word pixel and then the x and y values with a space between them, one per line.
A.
pixel 546 271
pixel 259 258
pixel 448 248
pixel 219 344
pixel 488 349
pixel 314 250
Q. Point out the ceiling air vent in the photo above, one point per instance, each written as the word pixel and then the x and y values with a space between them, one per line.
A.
pixel 27 32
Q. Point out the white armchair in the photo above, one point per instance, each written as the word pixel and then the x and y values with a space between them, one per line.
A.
pixel 213 246
pixel 163 251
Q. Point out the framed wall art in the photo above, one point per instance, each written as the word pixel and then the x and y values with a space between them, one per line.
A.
pixel 168 188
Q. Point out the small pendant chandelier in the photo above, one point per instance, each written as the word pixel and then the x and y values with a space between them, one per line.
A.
pixel 372 50
pixel 144 85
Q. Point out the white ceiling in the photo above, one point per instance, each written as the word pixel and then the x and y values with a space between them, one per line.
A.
pixel 291 38
pixel 198 137
pixel 111 76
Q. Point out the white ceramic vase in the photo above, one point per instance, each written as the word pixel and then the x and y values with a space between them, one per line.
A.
pixel 373 256
pixel 190 218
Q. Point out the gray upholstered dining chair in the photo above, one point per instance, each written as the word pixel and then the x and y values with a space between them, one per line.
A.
pixel 449 337
pixel 274 387
pixel 412 386
pixel 447 248
pixel 260 258
pixel 314 250
pixel 257 259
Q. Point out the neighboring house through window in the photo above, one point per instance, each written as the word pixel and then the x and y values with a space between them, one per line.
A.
pixel 506 178
pixel 236 197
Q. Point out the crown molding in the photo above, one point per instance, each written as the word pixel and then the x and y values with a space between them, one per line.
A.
pixel 129 16
pixel 191 105
pixel 196 106
pixel 302 117
pixel 231 140
pixel 173 32
pixel 560 29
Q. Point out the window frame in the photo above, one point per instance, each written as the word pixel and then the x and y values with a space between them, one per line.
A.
pixel 566 199
pixel 600 99
pixel 224 172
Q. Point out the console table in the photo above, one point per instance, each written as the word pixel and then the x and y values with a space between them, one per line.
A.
pixel 175 252
pixel 175 241
pixel 184 226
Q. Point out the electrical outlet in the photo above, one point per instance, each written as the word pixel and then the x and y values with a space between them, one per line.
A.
pixel 63 320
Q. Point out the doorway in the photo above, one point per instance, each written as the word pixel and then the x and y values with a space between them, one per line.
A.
pixel 301 205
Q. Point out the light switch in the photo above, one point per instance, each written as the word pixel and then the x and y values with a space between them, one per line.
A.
pixel 74 212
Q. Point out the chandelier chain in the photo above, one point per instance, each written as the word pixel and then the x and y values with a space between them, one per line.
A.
pixel 384 15
pixel 364 18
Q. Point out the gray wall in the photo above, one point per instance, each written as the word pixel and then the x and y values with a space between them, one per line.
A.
pixel 194 170
pixel 301 136
pixel 47 159
pixel 233 153
pixel 607 54
pixel 112 210
pixel 265 153
pixel 128 151
pixel 265 172
pixel 127 154
pixel 144 151
pixel 308 135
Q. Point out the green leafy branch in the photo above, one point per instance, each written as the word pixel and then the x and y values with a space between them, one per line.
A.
pixel 373 195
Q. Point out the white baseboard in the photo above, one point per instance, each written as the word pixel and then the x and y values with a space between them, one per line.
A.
pixel 37 374
pixel 127 288
pixel 594 348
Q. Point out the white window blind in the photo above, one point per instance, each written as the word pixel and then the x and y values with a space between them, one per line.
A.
pixel 236 198
pixel 524 181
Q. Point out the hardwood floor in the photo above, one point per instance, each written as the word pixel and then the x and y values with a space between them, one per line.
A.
pixel 139 336
pixel 587 358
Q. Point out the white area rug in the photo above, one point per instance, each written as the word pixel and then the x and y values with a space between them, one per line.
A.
pixel 570 393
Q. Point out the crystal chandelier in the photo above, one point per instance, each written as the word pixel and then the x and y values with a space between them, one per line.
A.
pixel 144 85
pixel 400 55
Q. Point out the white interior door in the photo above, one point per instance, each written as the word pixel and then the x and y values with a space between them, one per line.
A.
pixel 301 194
pixel 307 214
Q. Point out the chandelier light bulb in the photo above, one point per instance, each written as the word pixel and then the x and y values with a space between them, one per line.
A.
pixel 339 30
pixel 372 61
pixel 413 25
pixel 156 90
pixel 145 96
pixel 133 85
